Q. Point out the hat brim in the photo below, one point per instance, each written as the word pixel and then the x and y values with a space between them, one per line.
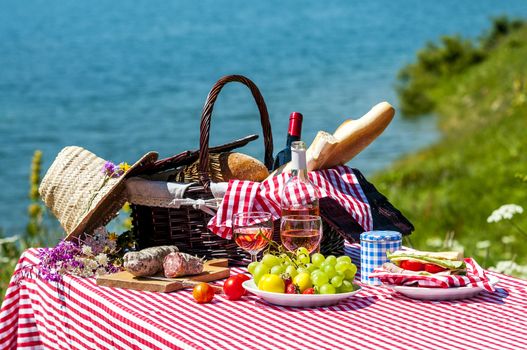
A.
pixel 109 205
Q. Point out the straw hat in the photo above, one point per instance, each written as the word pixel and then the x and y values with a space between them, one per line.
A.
pixel 80 195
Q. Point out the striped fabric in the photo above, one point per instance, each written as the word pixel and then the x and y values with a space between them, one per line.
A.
pixel 339 183
pixel 476 276
pixel 77 314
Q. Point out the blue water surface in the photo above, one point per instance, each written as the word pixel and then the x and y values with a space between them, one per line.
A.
pixel 124 77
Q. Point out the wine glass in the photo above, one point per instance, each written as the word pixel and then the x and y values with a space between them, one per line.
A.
pixel 252 231
pixel 301 231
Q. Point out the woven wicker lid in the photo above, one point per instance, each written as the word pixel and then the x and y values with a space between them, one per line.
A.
pixel 75 181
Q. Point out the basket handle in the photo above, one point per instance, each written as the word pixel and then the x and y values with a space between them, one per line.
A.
pixel 205 124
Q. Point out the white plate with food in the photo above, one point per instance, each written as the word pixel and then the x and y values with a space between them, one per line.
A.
pixel 299 300
pixel 425 293
pixel 437 268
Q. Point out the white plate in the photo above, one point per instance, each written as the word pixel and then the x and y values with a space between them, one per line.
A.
pixel 299 300
pixel 441 293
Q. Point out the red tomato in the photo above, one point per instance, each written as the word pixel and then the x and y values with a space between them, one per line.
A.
pixel 292 289
pixel 412 265
pixel 203 293
pixel 433 268
pixel 233 288
pixel 309 291
pixel 242 277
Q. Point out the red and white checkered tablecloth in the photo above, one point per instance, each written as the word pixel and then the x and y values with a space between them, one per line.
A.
pixel 79 314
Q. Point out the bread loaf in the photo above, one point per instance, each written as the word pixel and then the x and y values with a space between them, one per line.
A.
pixel 242 167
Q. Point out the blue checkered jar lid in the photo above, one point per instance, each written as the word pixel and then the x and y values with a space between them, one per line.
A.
pixel 380 236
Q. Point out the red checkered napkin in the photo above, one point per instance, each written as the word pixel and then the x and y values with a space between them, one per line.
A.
pixel 475 277
pixel 339 183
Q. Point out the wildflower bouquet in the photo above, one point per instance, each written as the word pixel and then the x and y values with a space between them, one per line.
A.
pixel 96 255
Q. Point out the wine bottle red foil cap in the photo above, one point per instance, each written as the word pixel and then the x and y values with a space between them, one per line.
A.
pixel 295 124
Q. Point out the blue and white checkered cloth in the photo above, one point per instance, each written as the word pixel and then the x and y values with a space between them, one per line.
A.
pixel 374 245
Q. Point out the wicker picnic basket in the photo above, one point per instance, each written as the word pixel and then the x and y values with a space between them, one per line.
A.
pixel 186 226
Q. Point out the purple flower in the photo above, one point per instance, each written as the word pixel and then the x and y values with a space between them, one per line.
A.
pixel 110 169
pixel 110 268
pixel 67 257
pixel 51 259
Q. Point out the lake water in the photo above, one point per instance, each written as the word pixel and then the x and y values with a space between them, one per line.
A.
pixel 124 77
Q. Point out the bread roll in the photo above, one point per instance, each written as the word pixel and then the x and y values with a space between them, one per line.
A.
pixel 242 167
pixel 222 168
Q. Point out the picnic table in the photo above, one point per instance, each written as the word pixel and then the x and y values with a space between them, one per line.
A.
pixel 78 314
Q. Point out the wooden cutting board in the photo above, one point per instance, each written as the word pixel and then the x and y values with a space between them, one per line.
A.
pixel 213 270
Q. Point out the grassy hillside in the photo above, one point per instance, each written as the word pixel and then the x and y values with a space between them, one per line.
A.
pixel 449 189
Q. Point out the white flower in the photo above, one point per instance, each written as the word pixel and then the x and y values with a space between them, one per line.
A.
pixel 508 239
pixel 7 240
pixel 102 259
pixel 483 244
pixel 434 242
pixel 456 246
pixel 505 266
pixel 509 267
pixel 100 271
pixel 506 211
pixel 90 264
pixel 86 272
pixel 86 250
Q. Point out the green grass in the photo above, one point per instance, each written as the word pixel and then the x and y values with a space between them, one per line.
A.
pixel 454 185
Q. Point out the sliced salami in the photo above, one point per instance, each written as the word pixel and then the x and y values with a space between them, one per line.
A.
pixel 182 264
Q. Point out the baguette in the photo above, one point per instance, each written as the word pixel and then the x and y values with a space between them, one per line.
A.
pixel 350 138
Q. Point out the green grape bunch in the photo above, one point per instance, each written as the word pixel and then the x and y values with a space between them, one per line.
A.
pixel 308 274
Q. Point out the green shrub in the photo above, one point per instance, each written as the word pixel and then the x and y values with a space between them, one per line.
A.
pixel 502 26
pixel 438 61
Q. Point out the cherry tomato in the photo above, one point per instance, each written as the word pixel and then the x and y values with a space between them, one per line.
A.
pixel 412 265
pixel 203 293
pixel 309 291
pixel 434 268
pixel 287 281
pixel 242 277
pixel 292 289
pixel 233 288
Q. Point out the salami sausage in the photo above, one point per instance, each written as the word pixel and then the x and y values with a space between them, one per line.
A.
pixel 147 262
pixel 182 264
